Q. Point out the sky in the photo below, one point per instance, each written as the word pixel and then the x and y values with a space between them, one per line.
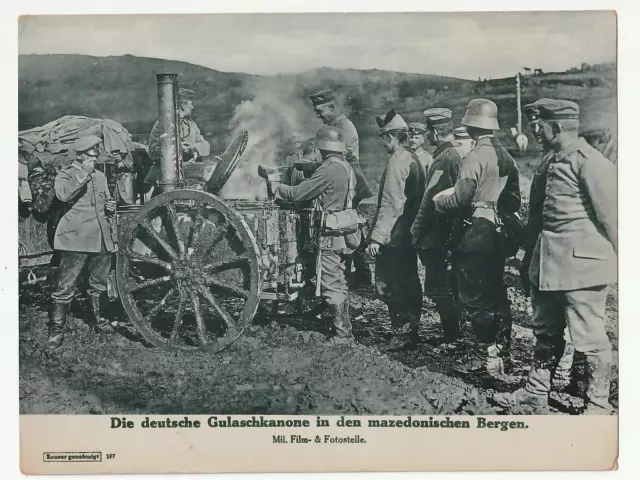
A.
pixel 464 45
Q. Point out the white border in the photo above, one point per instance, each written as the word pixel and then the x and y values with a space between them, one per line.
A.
pixel 629 110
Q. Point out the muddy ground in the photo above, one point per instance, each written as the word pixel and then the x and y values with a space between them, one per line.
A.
pixel 278 366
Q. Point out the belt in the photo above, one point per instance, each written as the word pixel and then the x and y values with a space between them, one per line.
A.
pixel 484 204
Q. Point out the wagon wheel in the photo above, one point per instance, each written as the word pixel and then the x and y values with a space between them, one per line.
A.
pixel 187 272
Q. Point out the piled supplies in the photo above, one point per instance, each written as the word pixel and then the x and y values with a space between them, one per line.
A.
pixel 46 149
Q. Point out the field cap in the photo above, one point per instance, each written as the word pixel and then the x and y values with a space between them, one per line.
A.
pixel 320 98
pixel 390 122
pixel 461 133
pixel 186 94
pixel 87 145
pixel 551 109
pixel 433 116
pixel 417 127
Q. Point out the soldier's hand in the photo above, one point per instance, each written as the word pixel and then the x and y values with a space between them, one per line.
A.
pixel 373 249
pixel 88 165
pixel 110 205
pixel 188 147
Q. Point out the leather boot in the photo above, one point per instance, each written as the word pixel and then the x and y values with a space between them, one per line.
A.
pixel 406 336
pixel 449 317
pixel 342 323
pixel 562 376
pixel 57 321
pixel 98 302
pixel 598 383
pixel 504 323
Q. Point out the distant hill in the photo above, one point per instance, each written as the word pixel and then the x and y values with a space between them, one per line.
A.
pixel 123 88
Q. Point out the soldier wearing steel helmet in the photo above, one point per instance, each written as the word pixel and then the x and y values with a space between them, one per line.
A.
pixel 574 226
pixel 82 237
pixel 401 189
pixel 332 185
pixel 328 110
pixel 431 231
pixel 488 183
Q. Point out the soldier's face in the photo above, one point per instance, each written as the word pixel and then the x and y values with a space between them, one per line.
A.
pixel 416 139
pixel 388 142
pixel 186 108
pixel 432 137
pixel 325 112
pixel 544 131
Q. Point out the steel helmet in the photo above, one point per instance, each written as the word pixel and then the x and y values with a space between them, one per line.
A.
pixel 330 139
pixel 481 113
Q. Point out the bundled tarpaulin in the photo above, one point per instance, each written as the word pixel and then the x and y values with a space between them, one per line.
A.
pixel 48 148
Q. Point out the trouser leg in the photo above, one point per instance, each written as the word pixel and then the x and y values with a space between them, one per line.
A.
pixel 562 377
pixel 398 285
pixel 585 315
pixel 69 270
pixel 335 292
pixel 437 286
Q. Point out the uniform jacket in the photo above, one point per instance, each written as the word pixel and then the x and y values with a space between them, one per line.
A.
pixel 430 229
pixel 425 158
pixel 189 132
pixel 330 185
pixel 350 135
pixel 84 226
pixel 578 242
pixel 487 174
pixel 401 189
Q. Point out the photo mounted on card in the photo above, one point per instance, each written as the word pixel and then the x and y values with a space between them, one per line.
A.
pixel 317 242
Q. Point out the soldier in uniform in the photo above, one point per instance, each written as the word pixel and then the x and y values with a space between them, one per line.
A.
pixel 333 184
pixel 328 111
pixel 488 183
pixel 82 237
pixel 192 143
pixel 416 140
pixel 431 232
pixel 401 189
pixel 574 259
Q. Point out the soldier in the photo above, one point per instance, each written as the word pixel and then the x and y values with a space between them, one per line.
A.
pixel 192 143
pixel 431 232
pixel 304 152
pixel 328 111
pixel 401 189
pixel 487 184
pixel 574 259
pixel 333 184
pixel 83 237
pixel 416 140
pixel 465 141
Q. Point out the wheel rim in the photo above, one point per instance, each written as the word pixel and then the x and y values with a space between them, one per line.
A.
pixel 188 272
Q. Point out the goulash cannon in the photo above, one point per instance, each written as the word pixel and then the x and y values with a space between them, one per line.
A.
pixel 192 268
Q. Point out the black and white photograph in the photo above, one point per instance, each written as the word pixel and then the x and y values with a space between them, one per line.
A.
pixel 318 214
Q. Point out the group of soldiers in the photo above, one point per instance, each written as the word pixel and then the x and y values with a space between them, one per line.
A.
pixel 449 210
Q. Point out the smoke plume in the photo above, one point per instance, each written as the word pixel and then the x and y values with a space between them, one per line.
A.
pixel 272 118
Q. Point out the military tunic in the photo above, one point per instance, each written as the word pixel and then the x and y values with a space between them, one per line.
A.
pixel 83 234
pixel 431 234
pixel 425 158
pixel 397 281
pixel 330 185
pixel 488 180
pixel 350 135
pixel 574 259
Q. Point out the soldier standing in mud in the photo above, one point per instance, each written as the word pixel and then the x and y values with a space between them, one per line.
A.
pixel 192 143
pixel 328 111
pixel 401 189
pixel 431 232
pixel 83 237
pixel 488 184
pixel 574 259
pixel 333 183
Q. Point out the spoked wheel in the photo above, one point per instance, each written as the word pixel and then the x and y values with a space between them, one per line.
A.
pixel 188 272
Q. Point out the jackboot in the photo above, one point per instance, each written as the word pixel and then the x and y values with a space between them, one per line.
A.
pixel 342 323
pixel 598 383
pixel 57 322
pixel 449 317
pixel 406 336
pixel 562 376
pixel 98 302
pixel 504 321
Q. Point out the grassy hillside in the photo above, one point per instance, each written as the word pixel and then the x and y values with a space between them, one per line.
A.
pixel 124 89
